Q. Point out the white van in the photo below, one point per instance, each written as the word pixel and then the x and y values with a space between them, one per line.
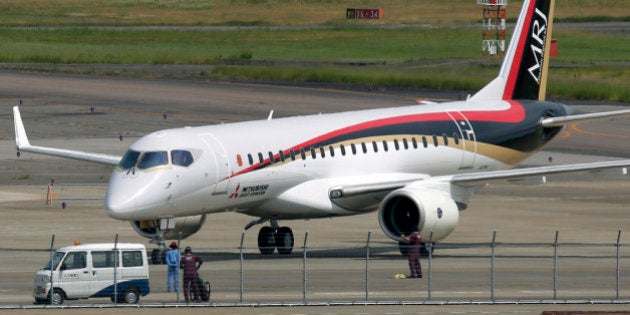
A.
pixel 86 271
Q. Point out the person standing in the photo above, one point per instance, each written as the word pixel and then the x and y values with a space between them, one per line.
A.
pixel 190 263
pixel 172 261
pixel 414 239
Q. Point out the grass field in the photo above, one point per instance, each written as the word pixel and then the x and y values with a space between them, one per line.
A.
pixel 388 55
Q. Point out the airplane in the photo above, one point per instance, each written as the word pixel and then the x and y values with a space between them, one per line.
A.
pixel 417 165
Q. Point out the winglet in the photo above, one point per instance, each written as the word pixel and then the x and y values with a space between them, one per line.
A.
pixel 21 140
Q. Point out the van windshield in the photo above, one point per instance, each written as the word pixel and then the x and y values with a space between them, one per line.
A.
pixel 57 256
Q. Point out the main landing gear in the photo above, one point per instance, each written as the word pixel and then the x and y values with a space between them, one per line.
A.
pixel 272 237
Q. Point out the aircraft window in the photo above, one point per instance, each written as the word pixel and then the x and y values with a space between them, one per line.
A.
pixel 313 153
pixel 385 145
pixel 292 153
pixel 260 158
pixel 445 137
pixel 374 146
pixel 185 158
pixel 129 160
pixel 435 140
pixel 343 149
pixel 405 144
pixel 322 151
pixel 281 156
pixel 414 142
pixel 363 147
pixel 239 160
pixel 270 157
pixel 396 144
pixel 354 148
pixel 424 141
pixel 153 159
pixel 303 153
pixel 456 138
pixel 250 158
pixel 332 151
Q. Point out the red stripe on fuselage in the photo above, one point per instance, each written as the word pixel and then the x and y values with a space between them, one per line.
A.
pixel 518 54
pixel 514 114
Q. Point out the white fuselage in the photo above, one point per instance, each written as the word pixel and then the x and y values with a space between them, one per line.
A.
pixel 234 171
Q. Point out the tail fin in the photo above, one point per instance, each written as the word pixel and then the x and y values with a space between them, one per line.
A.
pixel 523 74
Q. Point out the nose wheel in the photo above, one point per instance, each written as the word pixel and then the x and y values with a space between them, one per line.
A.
pixel 270 238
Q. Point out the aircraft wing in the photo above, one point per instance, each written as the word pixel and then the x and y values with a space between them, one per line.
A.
pixel 478 178
pixel 22 144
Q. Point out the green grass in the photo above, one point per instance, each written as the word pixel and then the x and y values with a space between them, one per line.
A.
pixel 591 65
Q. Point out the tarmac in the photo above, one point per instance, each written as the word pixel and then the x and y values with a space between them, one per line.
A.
pixel 91 114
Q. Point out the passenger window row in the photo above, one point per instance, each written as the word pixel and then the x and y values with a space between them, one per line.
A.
pixel 352 148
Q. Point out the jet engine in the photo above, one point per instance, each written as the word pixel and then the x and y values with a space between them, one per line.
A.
pixel 433 211
pixel 187 226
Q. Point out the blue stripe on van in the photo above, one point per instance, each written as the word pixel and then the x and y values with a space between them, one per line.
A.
pixel 141 284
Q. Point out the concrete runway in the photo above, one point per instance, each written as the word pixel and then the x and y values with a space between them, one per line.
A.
pixel 583 208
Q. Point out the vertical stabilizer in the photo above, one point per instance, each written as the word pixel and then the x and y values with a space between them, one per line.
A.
pixel 523 74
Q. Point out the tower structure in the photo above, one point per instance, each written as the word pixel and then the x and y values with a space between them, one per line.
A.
pixel 493 38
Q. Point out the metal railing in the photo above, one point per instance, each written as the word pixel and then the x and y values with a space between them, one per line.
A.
pixel 491 272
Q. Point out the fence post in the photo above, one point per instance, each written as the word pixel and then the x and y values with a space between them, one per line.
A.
pixel 430 260
pixel 116 262
pixel 304 269
pixel 618 245
pixel 367 266
pixel 52 244
pixel 555 267
pixel 241 270
pixel 492 274
pixel 179 243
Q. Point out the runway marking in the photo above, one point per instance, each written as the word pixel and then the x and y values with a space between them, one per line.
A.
pixel 574 127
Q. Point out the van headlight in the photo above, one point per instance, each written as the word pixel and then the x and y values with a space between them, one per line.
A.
pixel 45 279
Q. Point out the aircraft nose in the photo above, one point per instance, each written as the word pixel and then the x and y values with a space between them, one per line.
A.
pixel 119 202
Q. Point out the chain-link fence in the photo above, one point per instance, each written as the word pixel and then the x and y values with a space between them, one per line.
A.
pixel 489 272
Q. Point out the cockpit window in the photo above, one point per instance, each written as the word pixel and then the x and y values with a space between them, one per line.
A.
pixel 181 158
pixel 153 159
pixel 129 160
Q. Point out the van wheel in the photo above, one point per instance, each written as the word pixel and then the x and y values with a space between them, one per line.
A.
pixel 131 296
pixel 57 297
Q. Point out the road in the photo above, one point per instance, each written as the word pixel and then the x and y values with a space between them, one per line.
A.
pixel 56 111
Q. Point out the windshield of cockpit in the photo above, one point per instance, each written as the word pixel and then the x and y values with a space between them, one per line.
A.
pixel 150 159
pixel 57 256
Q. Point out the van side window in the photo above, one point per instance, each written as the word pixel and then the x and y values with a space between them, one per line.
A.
pixel 103 259
pixel 75 260
pixel 132 258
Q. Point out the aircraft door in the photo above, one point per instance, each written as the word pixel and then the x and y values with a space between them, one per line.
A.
pixel 467 138
pixel 222 167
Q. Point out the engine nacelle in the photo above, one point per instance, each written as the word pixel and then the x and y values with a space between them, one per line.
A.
pixel 431 210
pixel 187 226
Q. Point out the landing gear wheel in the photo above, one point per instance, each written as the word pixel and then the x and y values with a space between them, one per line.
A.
pixel 57 297
pixel 284 240
pixel 266 240
pixel 404 248
pixel 158 256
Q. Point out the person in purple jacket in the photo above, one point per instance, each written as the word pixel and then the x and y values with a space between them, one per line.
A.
pixel 414 239
pixel 190 263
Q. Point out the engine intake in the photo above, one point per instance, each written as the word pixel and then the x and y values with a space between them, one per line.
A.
pixel 431 210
